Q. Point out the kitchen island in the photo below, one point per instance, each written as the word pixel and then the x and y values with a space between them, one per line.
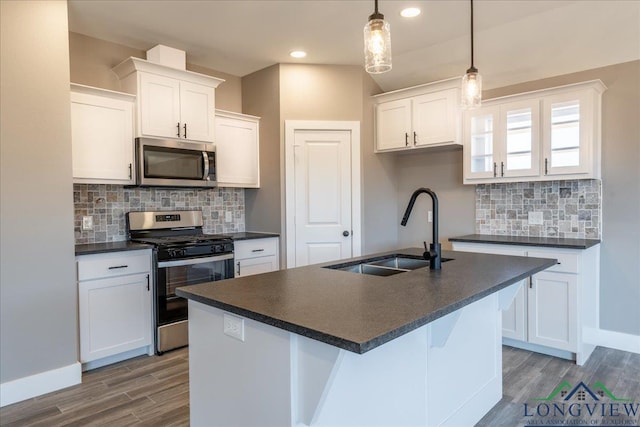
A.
pixel 323 347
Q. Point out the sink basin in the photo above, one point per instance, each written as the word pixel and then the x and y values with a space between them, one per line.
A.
pixel 387 265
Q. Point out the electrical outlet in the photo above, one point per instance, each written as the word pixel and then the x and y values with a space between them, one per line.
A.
pixel 234 326
pixel 430 216
pixel 87 223
pixel 228 216
pixel 536 218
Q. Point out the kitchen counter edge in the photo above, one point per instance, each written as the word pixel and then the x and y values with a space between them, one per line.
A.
pixel 105 247
pixel 549 242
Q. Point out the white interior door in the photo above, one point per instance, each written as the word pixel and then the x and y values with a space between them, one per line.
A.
pixel 322 193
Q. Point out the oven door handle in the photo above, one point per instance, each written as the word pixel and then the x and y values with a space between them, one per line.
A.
pixel 181 262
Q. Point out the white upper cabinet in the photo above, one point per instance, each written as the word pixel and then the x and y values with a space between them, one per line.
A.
pixel 503 141
pixel 418 117
pixel 543 135
pixel 101 136
pixel 172 103
pixel 237 150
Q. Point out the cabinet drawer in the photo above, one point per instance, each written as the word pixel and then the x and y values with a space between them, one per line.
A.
pixel 255 248
pixel 567 262
pixel 113 264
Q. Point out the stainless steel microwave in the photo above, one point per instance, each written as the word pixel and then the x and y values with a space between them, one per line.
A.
pixel 169 163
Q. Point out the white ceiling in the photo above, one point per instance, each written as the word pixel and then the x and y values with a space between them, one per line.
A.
pixel 515 40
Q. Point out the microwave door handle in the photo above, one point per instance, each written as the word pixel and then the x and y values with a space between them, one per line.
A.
pixel 205 157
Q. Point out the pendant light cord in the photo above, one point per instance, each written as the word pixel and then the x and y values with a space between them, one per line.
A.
pixel 471 32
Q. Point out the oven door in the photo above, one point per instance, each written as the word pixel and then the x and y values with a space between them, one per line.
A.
pixel 171 308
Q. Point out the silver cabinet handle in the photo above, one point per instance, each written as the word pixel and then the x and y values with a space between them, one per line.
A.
pixel 546 166
pixel 115 267
pixel 185 131
pixel 238 264
pixel 406 139
pixel 415 138
pixel 501 168
pixel 495 168
pixel 257 250
pixel 178 129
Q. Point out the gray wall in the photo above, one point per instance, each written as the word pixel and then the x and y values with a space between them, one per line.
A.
pixel 317 92
pixel 620 249
pixel 92 60
pixel 261 97
pixel 440 170
pixel 38 303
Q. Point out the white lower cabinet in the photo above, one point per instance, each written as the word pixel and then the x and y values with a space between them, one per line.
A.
pixel 552 301
pixel 552 308
pixel 255 256
pixel 115 306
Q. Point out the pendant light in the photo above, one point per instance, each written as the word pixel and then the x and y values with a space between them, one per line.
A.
pixel 377 43
pixel 472 81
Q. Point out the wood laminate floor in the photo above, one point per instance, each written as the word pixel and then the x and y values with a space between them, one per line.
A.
pixel 154 391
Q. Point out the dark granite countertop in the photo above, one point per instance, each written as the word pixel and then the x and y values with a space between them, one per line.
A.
pixel 550 242
pixel 99 248
pixel 359 312
pixel 248 235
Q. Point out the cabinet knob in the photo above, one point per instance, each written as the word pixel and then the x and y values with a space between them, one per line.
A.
pixel 345 233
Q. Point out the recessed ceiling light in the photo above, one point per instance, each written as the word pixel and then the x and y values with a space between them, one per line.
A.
pixel 298 53
pixel 410 12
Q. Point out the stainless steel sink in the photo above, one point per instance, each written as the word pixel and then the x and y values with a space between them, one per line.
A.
pixel 387 265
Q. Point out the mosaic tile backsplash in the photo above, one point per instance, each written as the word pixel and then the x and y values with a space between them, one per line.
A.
pixel 571 209
pixel 107 204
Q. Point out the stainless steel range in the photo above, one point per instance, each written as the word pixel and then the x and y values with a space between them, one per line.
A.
pixel 183 255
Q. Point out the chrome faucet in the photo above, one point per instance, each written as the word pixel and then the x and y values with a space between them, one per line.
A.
pixel 434 253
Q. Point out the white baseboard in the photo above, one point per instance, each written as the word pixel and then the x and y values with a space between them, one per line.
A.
pixel 148 350
pixel 612 339
pixel 39 384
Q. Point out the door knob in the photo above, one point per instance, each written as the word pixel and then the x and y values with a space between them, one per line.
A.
pixel 345 233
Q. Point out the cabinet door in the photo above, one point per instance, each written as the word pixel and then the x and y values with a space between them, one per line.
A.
pixel 115 315
pixel 480 132
pixel 251 266
pixel 237 153
pixel 514 319
pixel 568 138
pixel 159 106
pixel 552 310
pixel 519 139
pixel 434 119
pixel 393 125
pixel 197 112
pixel 102 139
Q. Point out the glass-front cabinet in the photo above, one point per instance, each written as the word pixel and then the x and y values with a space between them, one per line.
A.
pixel 502 141
pixel 543 135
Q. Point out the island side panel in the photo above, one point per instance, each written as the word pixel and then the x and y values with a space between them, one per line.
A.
pixel 464 374
pixel 445 373
pixel 236 383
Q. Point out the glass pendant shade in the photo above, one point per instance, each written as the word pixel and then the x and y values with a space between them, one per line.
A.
pixel 471 89
pixel 377 45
